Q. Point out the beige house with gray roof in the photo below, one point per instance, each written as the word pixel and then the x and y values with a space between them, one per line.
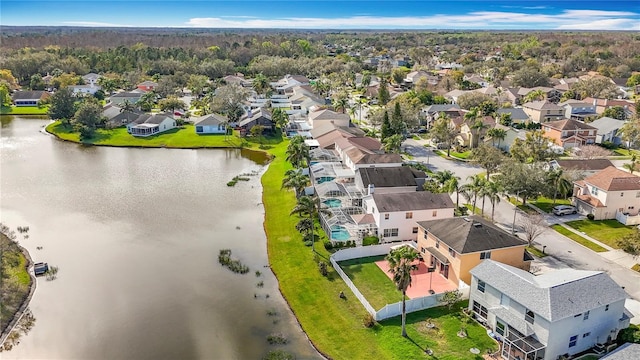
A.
pixel 543 111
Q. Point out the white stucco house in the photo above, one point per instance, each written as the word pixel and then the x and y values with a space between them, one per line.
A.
pixel 562 312
pixel 397 215
pixel 91 78
pixel 609 194
pixel 84 89
pixel 147 125
pixel 211 124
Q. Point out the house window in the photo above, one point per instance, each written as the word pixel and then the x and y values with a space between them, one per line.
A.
pixel 594 190
pixel 586 334
pixel 485 255
pixel 638 194
pixel 606 308
pixel 500 328
pixel 621 194
pixel 529 316
pixel 586 316
pixel 386 216
pixel 408 215
pixel 577 315
pixel 415 230
pixel 422 250
pixel 391 232
pixel 198 128
pixel 434 213
pixel 481 285
pixel 573 340
pixel 504 301
pixel 479 310
pixel 452 253
pixel 437 244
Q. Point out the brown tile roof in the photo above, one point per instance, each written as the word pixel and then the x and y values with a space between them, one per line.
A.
pixel 329 139
pixel 583 164
pixel 614 179
pixel 590 200
pixel 569 124
pixel 366 142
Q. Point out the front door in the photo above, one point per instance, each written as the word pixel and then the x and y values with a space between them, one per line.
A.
pixel 444 270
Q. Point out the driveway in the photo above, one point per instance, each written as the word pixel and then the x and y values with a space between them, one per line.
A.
pixel 434 162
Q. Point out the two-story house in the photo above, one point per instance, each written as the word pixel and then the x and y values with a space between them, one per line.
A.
pixel 319 117
pixel 91 79
pixel 397 215
pixel 578 110
pixel 543 111
pixel 455 246
pixel 609 194
pixel 469 135
pixel 580 168
pixel 570 133
pixel 518 116
pixel 608 130
pixel 432 112
pixel 562 312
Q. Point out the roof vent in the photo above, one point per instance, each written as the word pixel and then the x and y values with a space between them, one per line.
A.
pixel 477 224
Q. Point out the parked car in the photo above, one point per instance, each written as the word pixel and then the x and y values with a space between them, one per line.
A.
pixel 561 210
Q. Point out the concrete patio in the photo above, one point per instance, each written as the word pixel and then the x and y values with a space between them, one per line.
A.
pixel 421 279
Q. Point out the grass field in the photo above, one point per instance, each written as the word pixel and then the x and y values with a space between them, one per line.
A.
pixel 535 251
pixel 184 137
pixel 372 282
pixel 606 231
pixel 15 283
pixel 579 239
pixel 462 155
pixel 24 110
pixel 625 152
pixel 545 204
pixel 335 326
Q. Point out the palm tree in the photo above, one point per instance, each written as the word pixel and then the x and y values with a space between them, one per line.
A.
pixel 280 117
pixel 401 264
pixel 305 227
pixel 497 134
pixel 453 185
pixel 260 83
pixel 535 95
pixel 393 143
pixel 297 152
pixel 476 128
pixel 443 176
pixel 308 206
pixel 492 190
pixel 631 166
pixel 127 106
pixel 340 102
pixel 296 180
pixel 474 188
pixel 559 182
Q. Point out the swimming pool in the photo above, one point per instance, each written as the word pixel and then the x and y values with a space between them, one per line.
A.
pixel 339 233
pixel 333 203
pixel 324 179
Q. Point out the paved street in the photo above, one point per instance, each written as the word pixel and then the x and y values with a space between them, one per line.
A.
pixel 560 248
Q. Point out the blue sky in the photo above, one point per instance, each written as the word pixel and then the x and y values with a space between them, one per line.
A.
pixel 323 14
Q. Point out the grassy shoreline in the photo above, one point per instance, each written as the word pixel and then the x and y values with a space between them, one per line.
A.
pixel 18 284
pixel 333 325
pixel 24 110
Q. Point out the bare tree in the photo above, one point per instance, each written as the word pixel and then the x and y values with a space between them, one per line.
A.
pixel 532 226
pixel 592 152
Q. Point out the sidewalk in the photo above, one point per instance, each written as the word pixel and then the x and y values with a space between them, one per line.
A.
pixel 616 255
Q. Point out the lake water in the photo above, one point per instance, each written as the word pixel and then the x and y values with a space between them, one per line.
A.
pixel 135 234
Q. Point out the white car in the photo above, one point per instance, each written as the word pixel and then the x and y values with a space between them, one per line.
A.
pixel 561 210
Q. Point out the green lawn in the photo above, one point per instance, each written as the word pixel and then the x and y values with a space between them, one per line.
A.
pixel 579 239
pixel 372 282
pixel 636 267
pixel 462 155
pixel 535 251
pixel 606 231
pixel 24 110
pixel 545 204
pixel 16 281
pixel 334 325
pixel 184 137
pixel 625 152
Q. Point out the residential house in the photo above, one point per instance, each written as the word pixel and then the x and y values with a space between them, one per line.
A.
pixel 319 117
pixel 551 94
pixel 455 246
pixel 471 137
pixel 211 124
pixel 608 130
pixel 259 116
pixel 119 98
pixel 117 116
pixel 413 77
pixel 91 79
pixel 518 116
pixel 286 84
pixel 624 90
pixel 396 215
pixel 543 111
pixel 357 159
pixel 603 104
pixel 432 112
pixel 147 85
pixel 29 98
pixel 578 110
pixel 569 133
pixel 453 95
pixel 476 79
pixel 387 180
pixel 510 137
pixel 561 312
pixel 84 89
pixel 237 79
pixel 147 125
pixel 609 194
pixel 581 167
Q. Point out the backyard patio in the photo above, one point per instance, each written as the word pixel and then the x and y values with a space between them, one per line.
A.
pixel 421 280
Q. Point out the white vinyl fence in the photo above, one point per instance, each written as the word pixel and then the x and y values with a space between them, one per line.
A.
pixel 389 310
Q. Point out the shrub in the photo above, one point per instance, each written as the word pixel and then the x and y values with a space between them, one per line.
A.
pixel 590 216
pixel 370 240
pixel 308 243
pixel 322 267
pixel 630 334
pixel 328 245
pixel 278 355
pixel 277 339
pixel 368 321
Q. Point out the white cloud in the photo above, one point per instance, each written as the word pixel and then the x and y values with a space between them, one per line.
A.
pixel 568 19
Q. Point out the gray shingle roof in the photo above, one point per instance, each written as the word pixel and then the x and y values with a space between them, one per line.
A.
pixel 390 176
pixel 422 200
pixel 27 95
pixel 438 108
pixel 627 351
pixel 470 234
pixel 554 295
pixel 211 119
pixel 606 125
pixel 516 113
pixel 126 95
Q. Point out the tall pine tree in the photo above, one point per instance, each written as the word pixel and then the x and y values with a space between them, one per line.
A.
pixel 397 123
pixel 385 130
